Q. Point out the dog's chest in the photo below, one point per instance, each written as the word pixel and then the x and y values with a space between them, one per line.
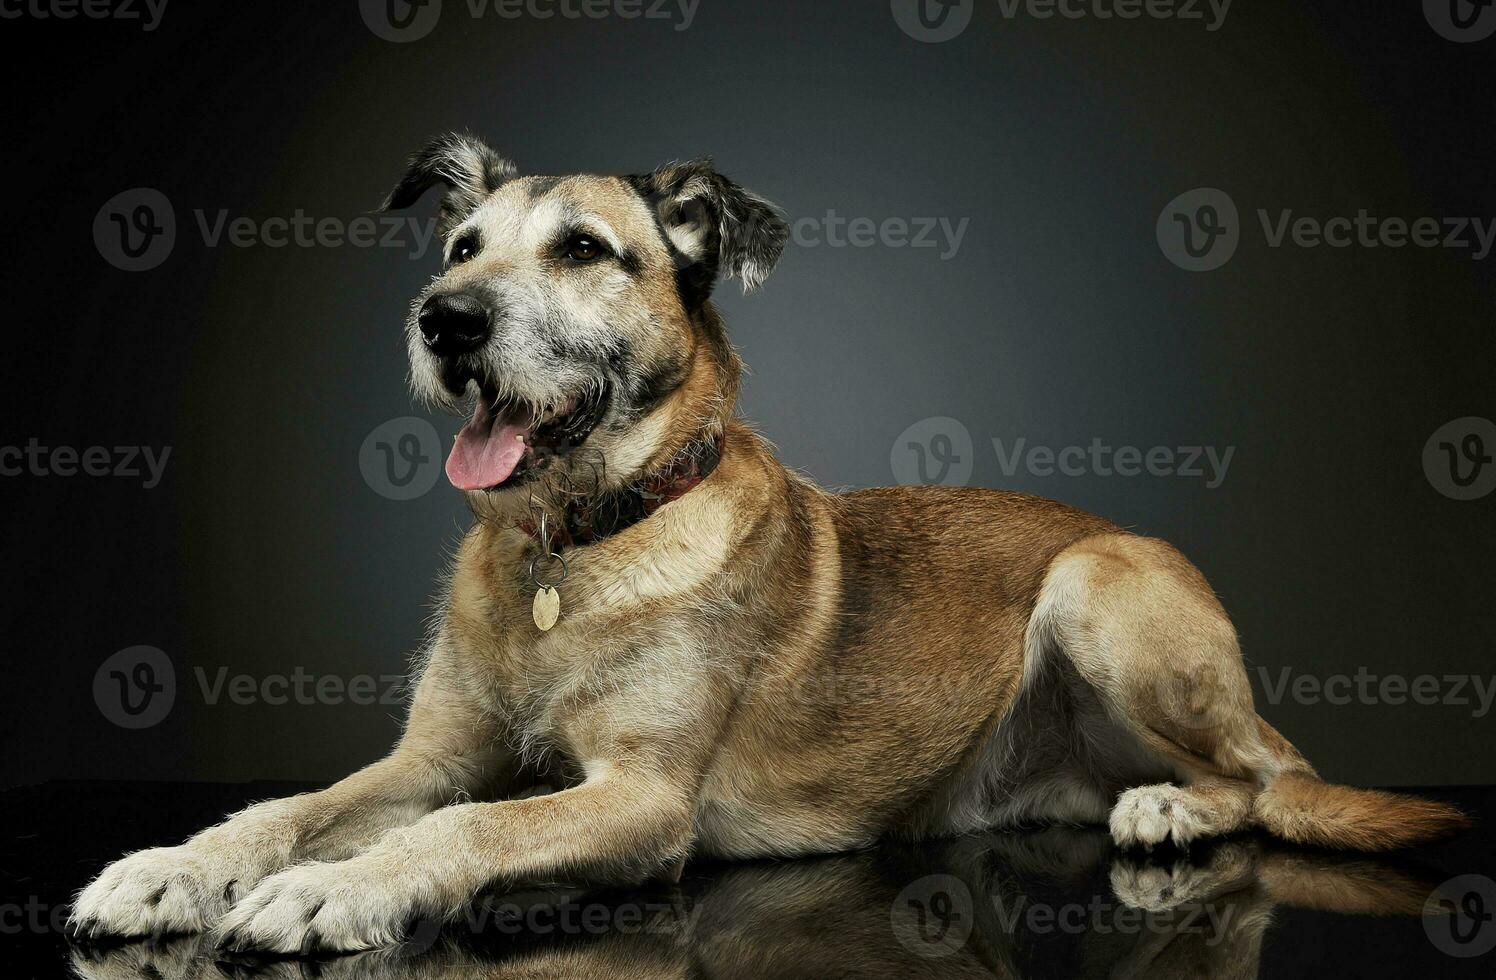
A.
pixel 580 687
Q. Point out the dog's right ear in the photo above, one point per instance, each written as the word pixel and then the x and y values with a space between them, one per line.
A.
pixel 712 226
pixel 469 168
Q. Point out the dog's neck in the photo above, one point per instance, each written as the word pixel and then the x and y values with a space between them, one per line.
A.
pixel 587 520
pixel 709 398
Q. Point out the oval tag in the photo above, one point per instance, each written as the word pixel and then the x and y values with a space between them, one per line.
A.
pixel 547 608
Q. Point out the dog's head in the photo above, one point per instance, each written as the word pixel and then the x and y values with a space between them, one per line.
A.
pixel 571 323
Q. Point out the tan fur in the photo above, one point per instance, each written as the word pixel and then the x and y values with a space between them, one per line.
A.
pixel 761 668
pixel 1300 808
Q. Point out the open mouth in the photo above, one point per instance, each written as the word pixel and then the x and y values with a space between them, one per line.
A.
pixel 508 440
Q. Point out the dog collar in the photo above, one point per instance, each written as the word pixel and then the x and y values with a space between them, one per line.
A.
pixel 589 520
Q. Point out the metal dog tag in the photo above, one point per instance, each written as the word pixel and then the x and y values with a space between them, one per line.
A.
pixel 547 608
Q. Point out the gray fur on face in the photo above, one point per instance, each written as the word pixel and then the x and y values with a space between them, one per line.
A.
pixel 615 332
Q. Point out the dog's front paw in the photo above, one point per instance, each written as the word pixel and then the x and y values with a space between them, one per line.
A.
pixel 185 958
pixel 1149 815
pixel 337 907
pixel 163 891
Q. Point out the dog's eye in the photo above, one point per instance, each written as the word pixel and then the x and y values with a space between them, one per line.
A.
pixel 464 251
pixel 584 248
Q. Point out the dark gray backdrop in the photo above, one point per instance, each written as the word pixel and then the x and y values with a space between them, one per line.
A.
pixel 267 548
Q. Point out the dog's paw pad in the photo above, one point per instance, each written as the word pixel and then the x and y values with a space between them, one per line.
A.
pixel 318 908
pixel 1149 815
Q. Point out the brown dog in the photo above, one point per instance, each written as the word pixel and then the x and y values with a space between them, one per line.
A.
pixel 704 653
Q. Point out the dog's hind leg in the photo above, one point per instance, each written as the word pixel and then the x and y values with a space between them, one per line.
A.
pixel 1151 644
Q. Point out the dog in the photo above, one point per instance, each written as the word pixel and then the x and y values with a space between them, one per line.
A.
pixel 658 642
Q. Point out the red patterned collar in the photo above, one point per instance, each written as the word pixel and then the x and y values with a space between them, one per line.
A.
pixel 589 520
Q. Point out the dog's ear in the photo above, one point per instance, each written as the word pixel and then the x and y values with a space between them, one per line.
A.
pixel 713 226
pixel 469 168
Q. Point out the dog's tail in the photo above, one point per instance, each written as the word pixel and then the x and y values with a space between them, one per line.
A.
pixel 1297 806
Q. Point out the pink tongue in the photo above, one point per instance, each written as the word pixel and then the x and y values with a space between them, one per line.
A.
pixel 486 452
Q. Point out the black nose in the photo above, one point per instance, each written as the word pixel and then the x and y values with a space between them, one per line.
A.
pixel 453 323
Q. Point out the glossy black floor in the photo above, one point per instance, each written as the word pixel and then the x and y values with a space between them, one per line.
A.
pixel 1057 903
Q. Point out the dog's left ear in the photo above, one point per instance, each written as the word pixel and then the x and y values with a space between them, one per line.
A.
pixel 469 168
pixel 714 226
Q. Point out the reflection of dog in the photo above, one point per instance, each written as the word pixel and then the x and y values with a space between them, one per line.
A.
pixel 1005 905
pixel 707 653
